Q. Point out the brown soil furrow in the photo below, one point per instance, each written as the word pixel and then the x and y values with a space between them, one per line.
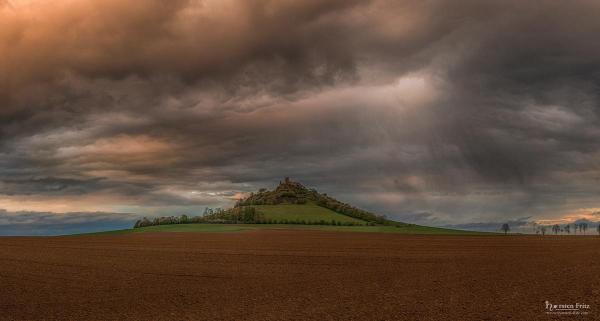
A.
pixel 295 275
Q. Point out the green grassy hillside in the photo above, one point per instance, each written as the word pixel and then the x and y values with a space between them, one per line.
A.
pixel 307 213
pixel 207 228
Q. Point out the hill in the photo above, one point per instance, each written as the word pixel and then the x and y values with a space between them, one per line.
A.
pixel 289 192
pixel 289 203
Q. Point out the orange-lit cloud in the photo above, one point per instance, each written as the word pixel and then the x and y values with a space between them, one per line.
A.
pixel 585 214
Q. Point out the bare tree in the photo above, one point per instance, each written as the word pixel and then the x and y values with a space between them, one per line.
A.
pixel 568 229
pixel 555 228
pixel 584 226
pixel 543 229
pixel 505 228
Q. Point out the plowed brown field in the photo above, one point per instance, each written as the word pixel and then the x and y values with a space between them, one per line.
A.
pixel 296 275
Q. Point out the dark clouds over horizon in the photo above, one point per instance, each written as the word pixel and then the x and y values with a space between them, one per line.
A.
pixel 433 112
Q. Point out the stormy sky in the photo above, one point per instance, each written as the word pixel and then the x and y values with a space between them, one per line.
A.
pixel 466 113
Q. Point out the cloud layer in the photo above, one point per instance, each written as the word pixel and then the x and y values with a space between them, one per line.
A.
pixel 433 112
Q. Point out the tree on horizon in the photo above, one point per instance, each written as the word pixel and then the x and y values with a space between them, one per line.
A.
pixel 505 228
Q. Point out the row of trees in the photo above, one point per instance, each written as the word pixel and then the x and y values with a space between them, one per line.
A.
pixel 237 215
pixel 234 215
pixel 290 200
pixel 541 229
pixel 582 227
pixel 353 212
pixel 167 220
pixel 246 214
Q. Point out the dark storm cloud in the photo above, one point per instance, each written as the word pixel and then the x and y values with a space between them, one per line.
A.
pixel 243 43
pixel 465 111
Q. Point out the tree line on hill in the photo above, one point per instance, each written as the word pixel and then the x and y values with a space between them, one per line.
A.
pixel 237 215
